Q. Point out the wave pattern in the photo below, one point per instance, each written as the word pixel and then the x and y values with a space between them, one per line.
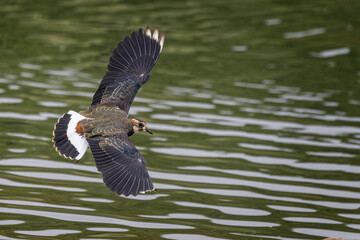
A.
pixel 250 142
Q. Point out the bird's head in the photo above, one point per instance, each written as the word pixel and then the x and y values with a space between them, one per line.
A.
pixel 139 125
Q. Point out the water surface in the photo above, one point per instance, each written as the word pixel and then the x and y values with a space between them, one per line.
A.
pixel 254 106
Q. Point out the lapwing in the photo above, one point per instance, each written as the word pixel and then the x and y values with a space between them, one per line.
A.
pixel 105 126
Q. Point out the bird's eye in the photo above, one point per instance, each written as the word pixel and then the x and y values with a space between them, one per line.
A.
pixel 141 124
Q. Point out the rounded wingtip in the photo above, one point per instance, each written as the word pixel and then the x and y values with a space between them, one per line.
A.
pixel 148 31
pixel 155 35
pixel 162 39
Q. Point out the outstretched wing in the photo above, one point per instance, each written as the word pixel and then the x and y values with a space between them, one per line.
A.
pixel 129 67
pixel 121 165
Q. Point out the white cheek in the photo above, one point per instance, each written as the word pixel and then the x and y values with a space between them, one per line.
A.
pixel 136 129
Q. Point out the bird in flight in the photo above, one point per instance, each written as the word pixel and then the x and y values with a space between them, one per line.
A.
pixel 105 125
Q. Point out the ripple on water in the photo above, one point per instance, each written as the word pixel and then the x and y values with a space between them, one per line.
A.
pixel 326 233
pixel 11 183
pixel 331 52
pixel 48 232
pixel 56 176
pixel 352 216
pixel 248 194
pixel 27 75
pixel 354 226
pixel 307 33
pixel 35 117
pixel 311 220
pixel 331 154
pixel 92 219
pixel 239 48
pixel 17 150
pixel 272 21
pixel 191 152
pixel 4 80
pixel 344 183
pixel 250 85
pixel 255 184
pixel 263 236
pixel 138 109
pixel 85 85
pixel 257 136
pixel 203 179
pixel 10 100
pixel 13 87
pixel 70 93
pixel 323 117
pixel 23 116
pixel 226 222
pixel 9 238
pixel 291 209
pixel 52 104
pixel 38 85
pixel 180 236
pixel 95 239
pixel 263 147
pixel 145 197
pixel 62 73
pixel 11 222
pixel 40 163
pixel 99 229
pixel 29 66
pixel 100 200
pixel 189 104
pixel 40 204
pixel 226 210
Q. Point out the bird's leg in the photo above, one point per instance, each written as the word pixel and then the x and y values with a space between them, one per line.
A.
pixel 77 161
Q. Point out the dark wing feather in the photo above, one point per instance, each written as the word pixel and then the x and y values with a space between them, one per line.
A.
pixel 128 69
pixel 121 164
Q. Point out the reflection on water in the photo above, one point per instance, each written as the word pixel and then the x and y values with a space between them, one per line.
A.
pixel 327 233
pixel 291 209
pixel 11 183
pixel 252 140
pixel 108 229
pixel 255 136
pixel 311 220
pixel 227 210
pixel 91 219
pixel 306 33
pixel 48 232
pixel 355 184
pixel 215 221
pixel 180 236
pixel 10 222
pixel 101 200
pixel 331 52
pixel 39 204
pixel 52 104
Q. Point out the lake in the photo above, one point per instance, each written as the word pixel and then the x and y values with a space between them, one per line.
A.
pixel 254 105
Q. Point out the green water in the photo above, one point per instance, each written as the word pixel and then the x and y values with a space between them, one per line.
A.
pixel 255 107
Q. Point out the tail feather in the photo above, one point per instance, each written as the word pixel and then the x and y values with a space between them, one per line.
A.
pixel 67 141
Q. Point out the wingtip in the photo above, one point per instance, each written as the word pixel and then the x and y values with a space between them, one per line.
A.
pixel 148 31
pixel 156 34
pixel 162 39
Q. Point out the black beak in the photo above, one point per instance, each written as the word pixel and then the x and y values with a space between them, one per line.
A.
pixel 149 131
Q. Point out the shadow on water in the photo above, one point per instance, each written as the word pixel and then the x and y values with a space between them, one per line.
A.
pixel 254 105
